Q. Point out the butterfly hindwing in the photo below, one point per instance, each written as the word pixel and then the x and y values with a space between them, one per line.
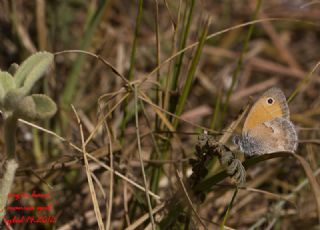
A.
pixel 271 136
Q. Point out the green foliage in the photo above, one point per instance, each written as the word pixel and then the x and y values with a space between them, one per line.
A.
pixel 16 103
pixel 14 90
pixel 36 106
pixel 6 84
pixel 32 69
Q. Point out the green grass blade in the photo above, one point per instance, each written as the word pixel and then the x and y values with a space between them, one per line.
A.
pixel 206 184
pixel 183 43
pixel 186 89
pixel 72 80
pixel 132 64
pixel 168 81
pixel 228 209
pixel 303 82
pixel 240 60
pixel 135 41
pixel 187 19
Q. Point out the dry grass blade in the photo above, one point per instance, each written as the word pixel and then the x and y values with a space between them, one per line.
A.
pixel 259 87
pixel 158 96
pixel 214 35
pixel 140 157
pixel 281 203
pixel 143 218
pixel 100 122
pixel 312 180
pixel 316 142
pixel 41 23
pixel 158 112
pixel 270 194
pixel 147 99
pixel 189 201
pixel 279 43
pixel 228 132
pixel 114 70
pixel 156 92
pixel 155 196
pixel 110 202
pixel 88 172
pixel 303 82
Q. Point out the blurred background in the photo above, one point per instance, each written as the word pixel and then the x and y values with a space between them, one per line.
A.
pixel 142 99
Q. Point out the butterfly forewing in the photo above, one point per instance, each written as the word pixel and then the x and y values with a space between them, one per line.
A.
pixel 270 105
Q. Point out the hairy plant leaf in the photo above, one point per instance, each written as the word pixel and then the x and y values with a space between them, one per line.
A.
pixel 36 106
pixel 12 99
pixel 13 68
pixel 6 83
pixel 32 69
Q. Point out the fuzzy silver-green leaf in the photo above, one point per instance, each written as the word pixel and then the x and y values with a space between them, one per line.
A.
pixel 32 69
pixel 13 68
pixel 36 106
pixel 26 109
pixel 6 83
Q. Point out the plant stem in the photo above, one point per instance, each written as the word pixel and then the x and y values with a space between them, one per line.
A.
pixel 6 184
pixel 229 209
pixel 10 127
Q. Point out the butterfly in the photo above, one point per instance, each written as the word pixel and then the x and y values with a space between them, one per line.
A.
pixel 268 128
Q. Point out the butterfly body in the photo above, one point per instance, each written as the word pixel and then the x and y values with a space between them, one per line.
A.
pixel 267 128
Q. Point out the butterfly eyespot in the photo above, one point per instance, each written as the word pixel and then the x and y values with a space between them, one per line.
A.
pixel 270 101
